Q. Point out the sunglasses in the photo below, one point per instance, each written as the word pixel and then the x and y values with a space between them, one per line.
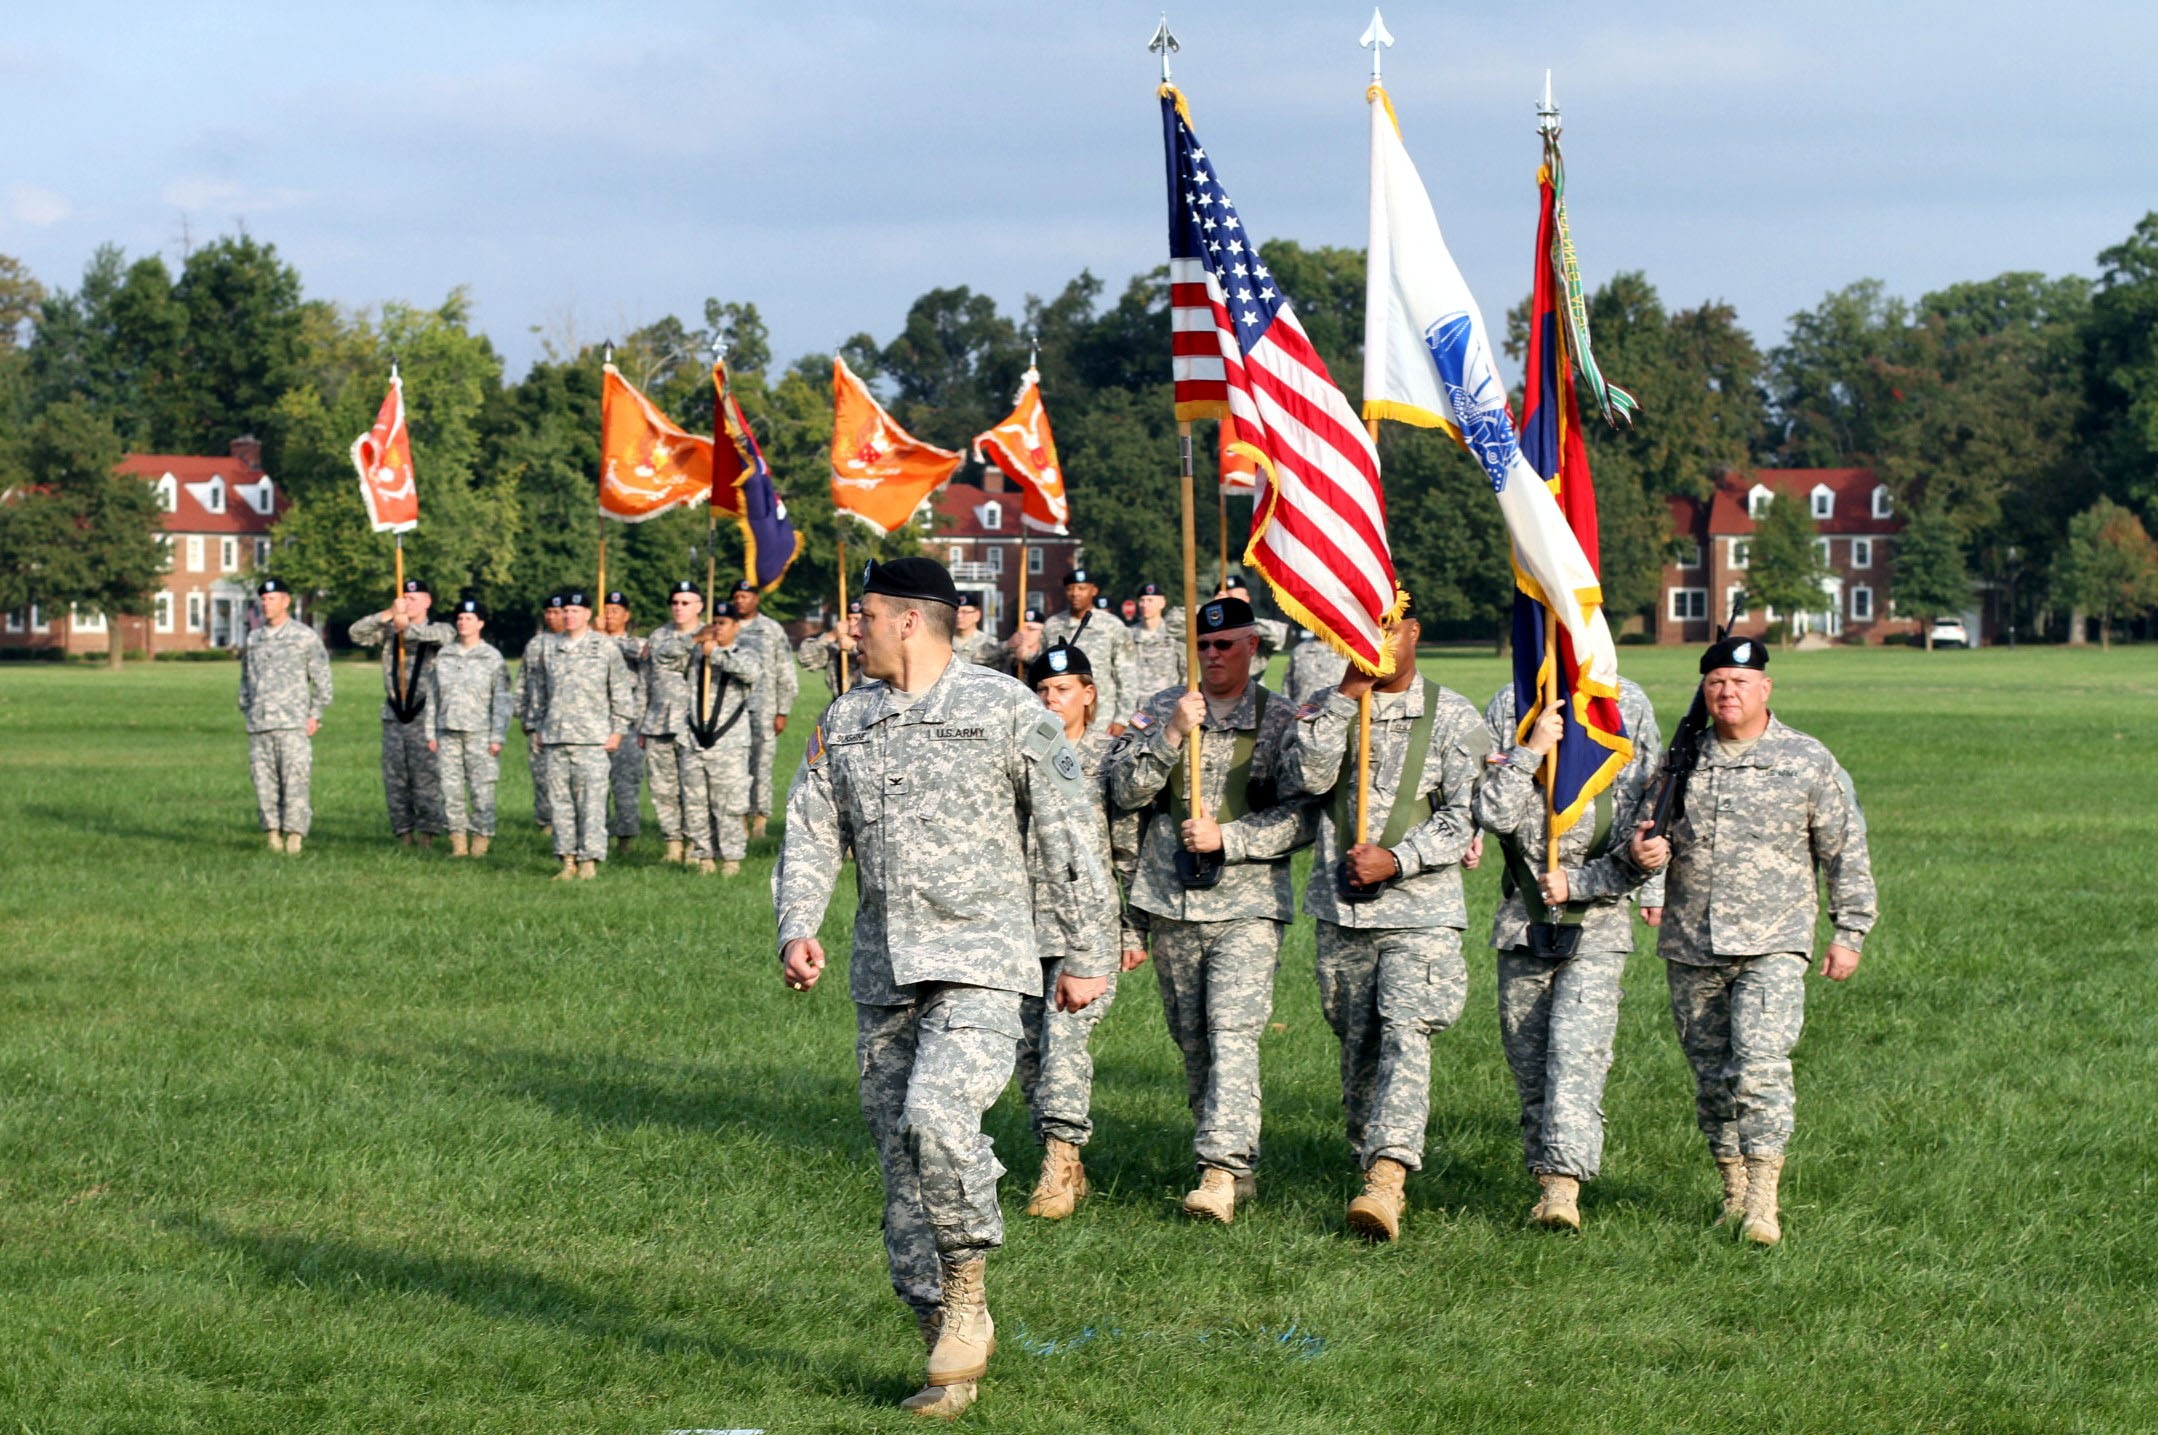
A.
pixel 684 601
pixel 1219 645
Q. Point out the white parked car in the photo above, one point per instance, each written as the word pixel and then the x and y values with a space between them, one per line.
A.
pixel 1949 633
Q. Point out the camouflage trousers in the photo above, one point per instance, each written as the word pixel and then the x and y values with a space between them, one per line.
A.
pixel 1217 991
pixel 715 796
pixel 282 762
pixel 1737 1022
pixel 542 802
pixel 663 774
pixel 465 762
pixel 763 747
pixel 1386 991
pixel 1556 1021
pixel 625 783
pixel 577 794
pixel 411 778
pixel 1056 1060
pixel 928 1071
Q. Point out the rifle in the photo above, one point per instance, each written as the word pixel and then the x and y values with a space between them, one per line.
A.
pixel 1684 754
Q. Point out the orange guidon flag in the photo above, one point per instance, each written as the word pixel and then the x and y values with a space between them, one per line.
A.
pixel 383 455
pixel 1024 448
pixel 1239 470
pixel 646 464
pixel 880 472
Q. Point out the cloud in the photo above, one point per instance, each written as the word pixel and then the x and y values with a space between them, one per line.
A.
pixel 229 197
pixel 39 208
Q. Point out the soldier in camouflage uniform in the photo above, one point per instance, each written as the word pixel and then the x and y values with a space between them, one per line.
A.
pixel 820 652
pixel 1558 1013
pixel 1273 633
pixel 971 642
pixel 411 779
pixel 1766 810
pixel 535 655
pixel 1390 971
pixel 1157 646
pixel 719 669
pixel 1023 646
pixel 284 686
pixel 1107 643
pixel 468 706
pixel 1056 1060
pixel 1215 946
pixel 625 765
pixel 967 813
pixel 1314 667
pixel 772 699
pixel 666 711
pixel 585 701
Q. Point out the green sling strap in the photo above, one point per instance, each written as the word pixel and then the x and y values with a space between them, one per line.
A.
pixel 1400 813
pixel 1522 878
pixel 1236 794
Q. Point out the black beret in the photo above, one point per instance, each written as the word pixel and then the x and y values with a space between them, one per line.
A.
pixel 970 600
pixel 1033 615
pixel 275 585
pixel 1150 590
pixel 854 605
pixel 922 579
pixel 414 585
pixel 1060 659
pixel 1222 615
pixel 575 599
pixel 469 605
pixel 1101 602
pixel 617 599
pixel 1077 575
pixel 556 600
pixel 1736 653
pixel 683 585
pixel 745 586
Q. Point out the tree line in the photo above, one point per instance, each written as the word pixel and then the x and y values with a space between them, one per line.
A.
pixel 2015 420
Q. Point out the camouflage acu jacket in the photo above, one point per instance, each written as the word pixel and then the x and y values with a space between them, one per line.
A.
pixel 371 631
pixel 284 676
pixel 583 693
pixel 468 690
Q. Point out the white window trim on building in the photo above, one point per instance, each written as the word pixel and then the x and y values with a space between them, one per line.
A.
pixel 168 494
pixel 195 611
pixel 991 515
pixel 228 555
pixel 956 553
pixel 1824 501
pixel 17 620
pixel 164 612
pixel 1689 556
pixel 1688 604
pixel 1732 596
pixel 996 559
pixel 1758 499
pixel 1884 504
pixel 1037 561
pixel 1741 552
pixel 213 495
pixel 1861 604
pixel 85 622
pixel 1861 553
pixel 194 553
pixel 1827 554
pixel 262 553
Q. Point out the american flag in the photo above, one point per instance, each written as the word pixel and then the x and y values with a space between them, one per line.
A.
pixel 1319 535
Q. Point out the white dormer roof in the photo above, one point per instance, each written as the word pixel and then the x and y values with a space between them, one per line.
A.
pixel 168 493
pixel 1758 499
pixel 1823 501
pixel 210 494
pixel 261 495
pixel 1883 502
pixel 990 515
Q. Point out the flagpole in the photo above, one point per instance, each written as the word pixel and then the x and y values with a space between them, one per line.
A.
pixel 397 634
pixel 1191 611
pixel 1551 762
pixel 841 524
pixel 1221 516
pixel 1363 727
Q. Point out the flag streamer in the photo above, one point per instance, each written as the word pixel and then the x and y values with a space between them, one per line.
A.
pixel 742 485
pixel 1025 449
pixel 648 464
pixel 383 457
pixel 880 473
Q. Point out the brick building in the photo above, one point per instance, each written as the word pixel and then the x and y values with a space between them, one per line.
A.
pixel 217 513
pixel 976 533
pixel 1854 516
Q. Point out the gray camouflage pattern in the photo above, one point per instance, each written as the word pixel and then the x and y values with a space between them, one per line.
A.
pixel 625 765
pixel 284 677
pixel 1313 668
pixel 1157 659
pixel 1386 992
pixel 411 778
pixel 774 696
pixel 663 776
pixel 372 632
pixel 466 767
pixel 468 691
pixel 715 781
pixel 1556 1022
pixel 521 696
pixel 1316 757
pixel 929 1068
pixel 1107 645
pixel 1510 802
pixel 281 762
pixel 979 647
pixel 1256 882
pixel 580 696
pixel 969 820
pixel 1737 1023
pixel 577 775
pixel 823 658
pixel 1217 992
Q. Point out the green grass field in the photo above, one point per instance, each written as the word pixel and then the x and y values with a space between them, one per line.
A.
pixel 374 1141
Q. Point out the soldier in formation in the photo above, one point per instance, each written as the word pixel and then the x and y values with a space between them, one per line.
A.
pixel 970 640
pixel 411 779
pixel 1386 894
pixel 945 779
pixel 1157 646
pixel 823 652
pixel 625 763
pixel 1768 814
pixel 1314 667
pixel 666 711
pixel 535 655
pixel 1024 645
pixel 772 697
pixel 1056 1059
pixel 284 686
pixel 1106 642
pixel 468 705
pixel 719 670
pixel 1273 633
pixel 584 700
pixel 1560 961
pixel 1215 887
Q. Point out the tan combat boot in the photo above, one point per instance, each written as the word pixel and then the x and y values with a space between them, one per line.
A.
pixel 674 851
pixel 968 1336
pixel 587 870
pixel 277 841
pixel 942 1402
pixel 758 825
pixel 480 843
pixel 568 872
pixel 1215 1198
pixel 1063 1182
pixel 1761 1226
pixel 1733 1171
pixel 292 843
pixel 1376 1214
pixel 1560 1206
pixel 730 868
pixel 459 847
pixel 705 866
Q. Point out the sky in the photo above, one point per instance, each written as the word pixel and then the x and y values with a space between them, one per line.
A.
pixel 587 168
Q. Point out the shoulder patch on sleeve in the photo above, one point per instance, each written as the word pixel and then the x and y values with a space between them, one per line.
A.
pixel 1042 735
pixel 1311 709
pixel 814 754
pixel 1141 720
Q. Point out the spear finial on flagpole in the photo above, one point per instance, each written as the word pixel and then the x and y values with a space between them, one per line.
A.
pixel 1376 39
pixel 1164 44
pixel 1547 113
